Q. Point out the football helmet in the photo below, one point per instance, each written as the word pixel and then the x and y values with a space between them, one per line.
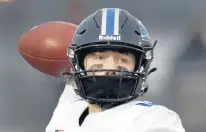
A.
pixel 111 29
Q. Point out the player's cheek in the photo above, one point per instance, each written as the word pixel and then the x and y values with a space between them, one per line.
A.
pixel 100 73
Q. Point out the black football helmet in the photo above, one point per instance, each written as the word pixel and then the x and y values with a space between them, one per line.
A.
pixel 111 29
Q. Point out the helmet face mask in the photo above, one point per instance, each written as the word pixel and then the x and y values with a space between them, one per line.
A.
pixel 123 85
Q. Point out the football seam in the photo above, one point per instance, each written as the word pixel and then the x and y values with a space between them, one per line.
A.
pixel 23 53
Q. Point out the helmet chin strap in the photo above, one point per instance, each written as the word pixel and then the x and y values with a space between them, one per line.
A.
pixel 152 70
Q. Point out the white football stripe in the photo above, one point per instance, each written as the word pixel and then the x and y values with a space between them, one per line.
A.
pixel 104 21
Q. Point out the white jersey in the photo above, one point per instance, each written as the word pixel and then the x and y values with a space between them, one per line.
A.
pixel 135 116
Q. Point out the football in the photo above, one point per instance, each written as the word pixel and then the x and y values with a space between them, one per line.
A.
pixel 44 47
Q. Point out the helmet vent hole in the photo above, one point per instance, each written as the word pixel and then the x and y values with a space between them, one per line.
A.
pixel 138 33
pixel 82 32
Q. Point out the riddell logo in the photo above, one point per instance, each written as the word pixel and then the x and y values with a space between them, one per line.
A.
pixel 102 37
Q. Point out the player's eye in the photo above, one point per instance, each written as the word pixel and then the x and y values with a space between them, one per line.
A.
pixel 99 57
pixel 123 60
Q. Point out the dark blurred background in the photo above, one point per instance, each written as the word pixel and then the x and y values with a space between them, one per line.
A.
pixel 28 97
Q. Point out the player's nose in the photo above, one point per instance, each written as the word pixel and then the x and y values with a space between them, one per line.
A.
pixel 111 73
pixel 111 65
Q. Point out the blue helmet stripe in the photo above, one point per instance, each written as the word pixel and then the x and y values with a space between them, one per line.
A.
pixel 110 21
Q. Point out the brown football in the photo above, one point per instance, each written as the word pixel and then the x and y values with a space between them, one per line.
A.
pixel 44 47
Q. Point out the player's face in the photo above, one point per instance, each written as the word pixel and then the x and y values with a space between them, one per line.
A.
pixel 109 60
